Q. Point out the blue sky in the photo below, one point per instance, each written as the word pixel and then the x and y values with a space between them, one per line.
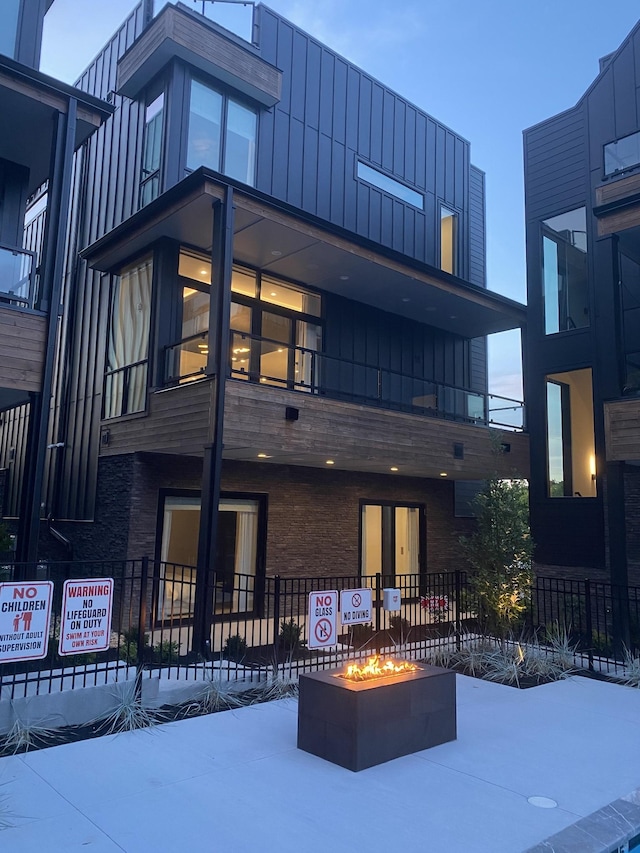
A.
pixel 486 68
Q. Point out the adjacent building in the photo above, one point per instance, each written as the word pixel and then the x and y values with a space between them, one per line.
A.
pixel 43 123
pixel 273 354
pixel 582 182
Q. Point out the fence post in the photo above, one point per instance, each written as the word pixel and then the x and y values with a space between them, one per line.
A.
pixel 589 624
pixel 458 596
pixel 276 620
pixel 142 620
pixel 378 608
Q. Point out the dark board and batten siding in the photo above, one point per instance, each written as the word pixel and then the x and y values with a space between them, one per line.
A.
pixel 330 115
pixel 556 165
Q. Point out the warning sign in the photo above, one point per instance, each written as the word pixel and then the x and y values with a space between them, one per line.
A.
pixel 356 606
pixel 85 625
pixel 25 614
pixel 323 619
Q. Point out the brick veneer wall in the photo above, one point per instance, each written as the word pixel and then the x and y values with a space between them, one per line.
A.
pixel 313 514
pixel 3 489
pixel 632 518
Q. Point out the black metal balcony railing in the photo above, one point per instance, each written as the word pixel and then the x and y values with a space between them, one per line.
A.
pixel 297 368
pixel 17 276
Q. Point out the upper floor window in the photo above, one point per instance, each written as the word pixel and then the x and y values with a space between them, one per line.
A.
pixel 564 264
pixel 389 185
pixel 9 28
pixel 222 134
pixel 152 149
pixel 448 240
pixel 622 154
pixel 571 461
pixel 125 387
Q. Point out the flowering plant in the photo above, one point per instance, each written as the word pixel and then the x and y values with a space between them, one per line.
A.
pixel 437 606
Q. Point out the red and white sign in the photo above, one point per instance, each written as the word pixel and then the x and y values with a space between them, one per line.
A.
pixel 25 614
pixel 323 619
pixel 356 606
pixel 85 625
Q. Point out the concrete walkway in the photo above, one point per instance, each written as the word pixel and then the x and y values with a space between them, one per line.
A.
pixel 235 781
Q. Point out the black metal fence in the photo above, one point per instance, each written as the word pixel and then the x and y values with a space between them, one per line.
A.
pixel 256 628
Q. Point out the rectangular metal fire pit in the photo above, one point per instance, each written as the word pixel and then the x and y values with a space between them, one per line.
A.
pixel 359 724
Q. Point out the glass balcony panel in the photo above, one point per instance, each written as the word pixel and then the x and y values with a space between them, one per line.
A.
pixel 16 276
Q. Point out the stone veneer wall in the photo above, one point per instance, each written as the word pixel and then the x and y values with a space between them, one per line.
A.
pixel 312 514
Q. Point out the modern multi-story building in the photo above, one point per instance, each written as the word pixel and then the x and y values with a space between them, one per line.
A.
pixel 43 122
pixel 582 180
pixel 274 350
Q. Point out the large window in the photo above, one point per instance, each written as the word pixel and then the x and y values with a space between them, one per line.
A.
pixel 238 554
pixel 128 341
pixel 222 134
pixel 622 154
pixel 152 149
pixel 9 28
pixel 275 325
pixel 571 461
pixel 564 263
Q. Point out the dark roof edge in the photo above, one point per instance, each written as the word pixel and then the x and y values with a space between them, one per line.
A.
pixel 33 75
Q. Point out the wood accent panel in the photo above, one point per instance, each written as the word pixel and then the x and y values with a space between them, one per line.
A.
pixel 616 190
pixel 622 430
pixel 619 220
pixel 360 438
pixel 23 336
pixel 177 421
pixel 176 33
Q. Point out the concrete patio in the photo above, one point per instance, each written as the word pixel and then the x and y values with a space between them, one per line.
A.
pixel 234 781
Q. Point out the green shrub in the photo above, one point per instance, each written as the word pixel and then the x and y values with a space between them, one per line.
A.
pixel 235 648
pixel 290 634
pixel 166 651
pixel 361 633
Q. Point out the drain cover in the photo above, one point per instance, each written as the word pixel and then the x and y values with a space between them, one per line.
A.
pixel 542 802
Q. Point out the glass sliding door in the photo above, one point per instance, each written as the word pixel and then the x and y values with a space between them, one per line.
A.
pixel 390 540
pixel 236 559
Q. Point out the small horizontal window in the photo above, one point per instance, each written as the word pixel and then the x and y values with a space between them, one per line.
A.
pixel 390 185
pixel 622 154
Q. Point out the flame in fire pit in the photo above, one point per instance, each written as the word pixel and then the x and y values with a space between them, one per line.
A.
pixel 376 668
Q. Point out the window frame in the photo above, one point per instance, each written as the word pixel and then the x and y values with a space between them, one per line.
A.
pixel 385 189
pixel 546 231
pixel 157 90
pixel 624 169
pixel 227 96
pixel 387 578
pixel 455 214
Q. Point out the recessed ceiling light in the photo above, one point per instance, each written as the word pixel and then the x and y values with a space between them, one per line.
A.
pixel 330 462
pixel 429 308
pixel 443 473
pixel 406 299
pixel 262 379
pixel 203 272
pixel 453 316
pixel 344 278
pixel 273 293
pixel 393 468
pixel 263 456
pixel 276 253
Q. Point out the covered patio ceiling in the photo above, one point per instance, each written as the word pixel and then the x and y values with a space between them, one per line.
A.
pixel 278 239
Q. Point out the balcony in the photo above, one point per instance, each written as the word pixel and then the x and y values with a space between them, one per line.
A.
pixel 17 277
pixel 273 363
